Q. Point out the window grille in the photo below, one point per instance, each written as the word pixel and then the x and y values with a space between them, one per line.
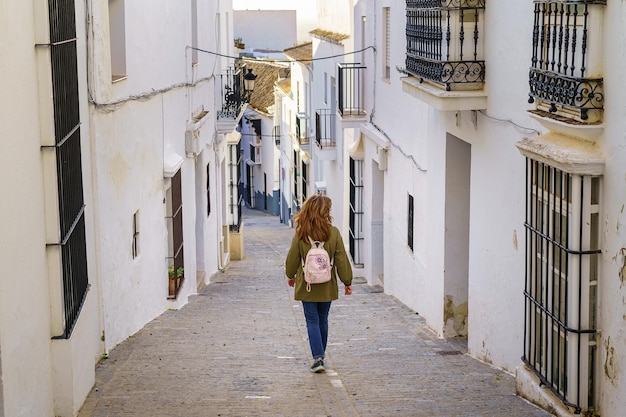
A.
pixel 350 79
pixel 562 230
pixel 356 211
pixel 135 244
pixel 561 60
pixel 295 207
pixel 387 41
pixel 305 184
pixel 235 187
pixel 175 234
pixel 250 190
pixel 208 189
pixel 410 222
pixel 71 207
pixel 444 43
pixel 325 128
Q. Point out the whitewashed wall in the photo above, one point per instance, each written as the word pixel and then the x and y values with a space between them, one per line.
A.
pixel 142 137
pixel 417 155
pixel 266 29
pixel 39 376
pixel 612 291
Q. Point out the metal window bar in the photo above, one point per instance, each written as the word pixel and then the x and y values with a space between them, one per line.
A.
pixel 295 196
pixel 302 134
pixel 350 100
pixel 556 335
pixel 276 135
pixel 177 240
pixel 356 211
pixel 325 128
pixel 236 194
pixel 410 215
pixel 251 190
pixel 208 189
pixel 304 180
pixel 61 14
pixel 436 50
pixel 558 72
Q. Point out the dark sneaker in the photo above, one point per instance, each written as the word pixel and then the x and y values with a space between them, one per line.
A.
pixel 318 366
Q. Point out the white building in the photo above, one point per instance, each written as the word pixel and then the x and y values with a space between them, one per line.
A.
pixel 260 140
pixel 271 30
pixel 497 219
pixel 118 167
pixel 160 170
pixel 50 317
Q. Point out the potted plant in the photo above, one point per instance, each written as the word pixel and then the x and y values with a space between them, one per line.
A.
pixel 174 278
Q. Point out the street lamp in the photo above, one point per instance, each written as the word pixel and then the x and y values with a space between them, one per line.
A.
pixel 248 81
pixel 236 93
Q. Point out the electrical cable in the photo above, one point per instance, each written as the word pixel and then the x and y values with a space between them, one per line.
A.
pixel 111 106
pixel 284 60
pixel 525 129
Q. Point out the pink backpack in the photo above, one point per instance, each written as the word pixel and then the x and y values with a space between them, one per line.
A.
pixel 316 265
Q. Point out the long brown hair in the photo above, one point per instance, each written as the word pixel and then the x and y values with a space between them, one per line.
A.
pixel 314 218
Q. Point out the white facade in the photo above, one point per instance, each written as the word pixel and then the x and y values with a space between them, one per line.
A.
pixel 101 148
pixel 272 30
pixel 156 121
pixel 445 189
pixel 41 372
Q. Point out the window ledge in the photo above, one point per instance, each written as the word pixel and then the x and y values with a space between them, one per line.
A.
pixel 569 154
pixel 567 127
pixel 118 78
pixel 442 99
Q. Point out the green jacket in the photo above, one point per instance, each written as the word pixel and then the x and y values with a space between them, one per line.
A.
pixel 327 291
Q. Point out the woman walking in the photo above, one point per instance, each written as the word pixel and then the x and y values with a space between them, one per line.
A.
pixel 315 222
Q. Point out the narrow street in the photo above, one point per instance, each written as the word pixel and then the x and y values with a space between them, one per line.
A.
pixel 239 348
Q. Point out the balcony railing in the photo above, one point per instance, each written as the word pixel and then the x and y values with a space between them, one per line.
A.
pixel 325 129
pixel 443 43
pixel 302 134
pixel 276 135
pixel 563 60
pixel 350 79
pixel 231 90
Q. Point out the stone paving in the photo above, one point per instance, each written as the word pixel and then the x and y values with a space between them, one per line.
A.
pixel 239 348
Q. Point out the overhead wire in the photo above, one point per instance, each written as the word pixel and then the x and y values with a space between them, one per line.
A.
pixel 111 106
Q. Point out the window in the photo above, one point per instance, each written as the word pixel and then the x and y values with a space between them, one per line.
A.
pixel 562 231
pixel 71 207
pixel 305 184
pixel 444 42
pixel 356 210
pixel 295 196
pixel 135 245
pixel 565 67
pixel 325 88
pixel 208 190
pixel 386 42
pixel 117 34
pixel 410 223
pixel 235 191
pixel 175 235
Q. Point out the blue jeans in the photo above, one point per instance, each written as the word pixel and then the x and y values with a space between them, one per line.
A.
pixel 316 315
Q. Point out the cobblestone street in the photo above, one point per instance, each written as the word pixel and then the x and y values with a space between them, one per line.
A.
pixel 239 348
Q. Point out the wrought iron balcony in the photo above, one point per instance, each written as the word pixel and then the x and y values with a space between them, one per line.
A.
pixel 302 134
pixel 235 87
pixel 325 129
pixel 444 44
pixel 564 77
pixel 350 80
